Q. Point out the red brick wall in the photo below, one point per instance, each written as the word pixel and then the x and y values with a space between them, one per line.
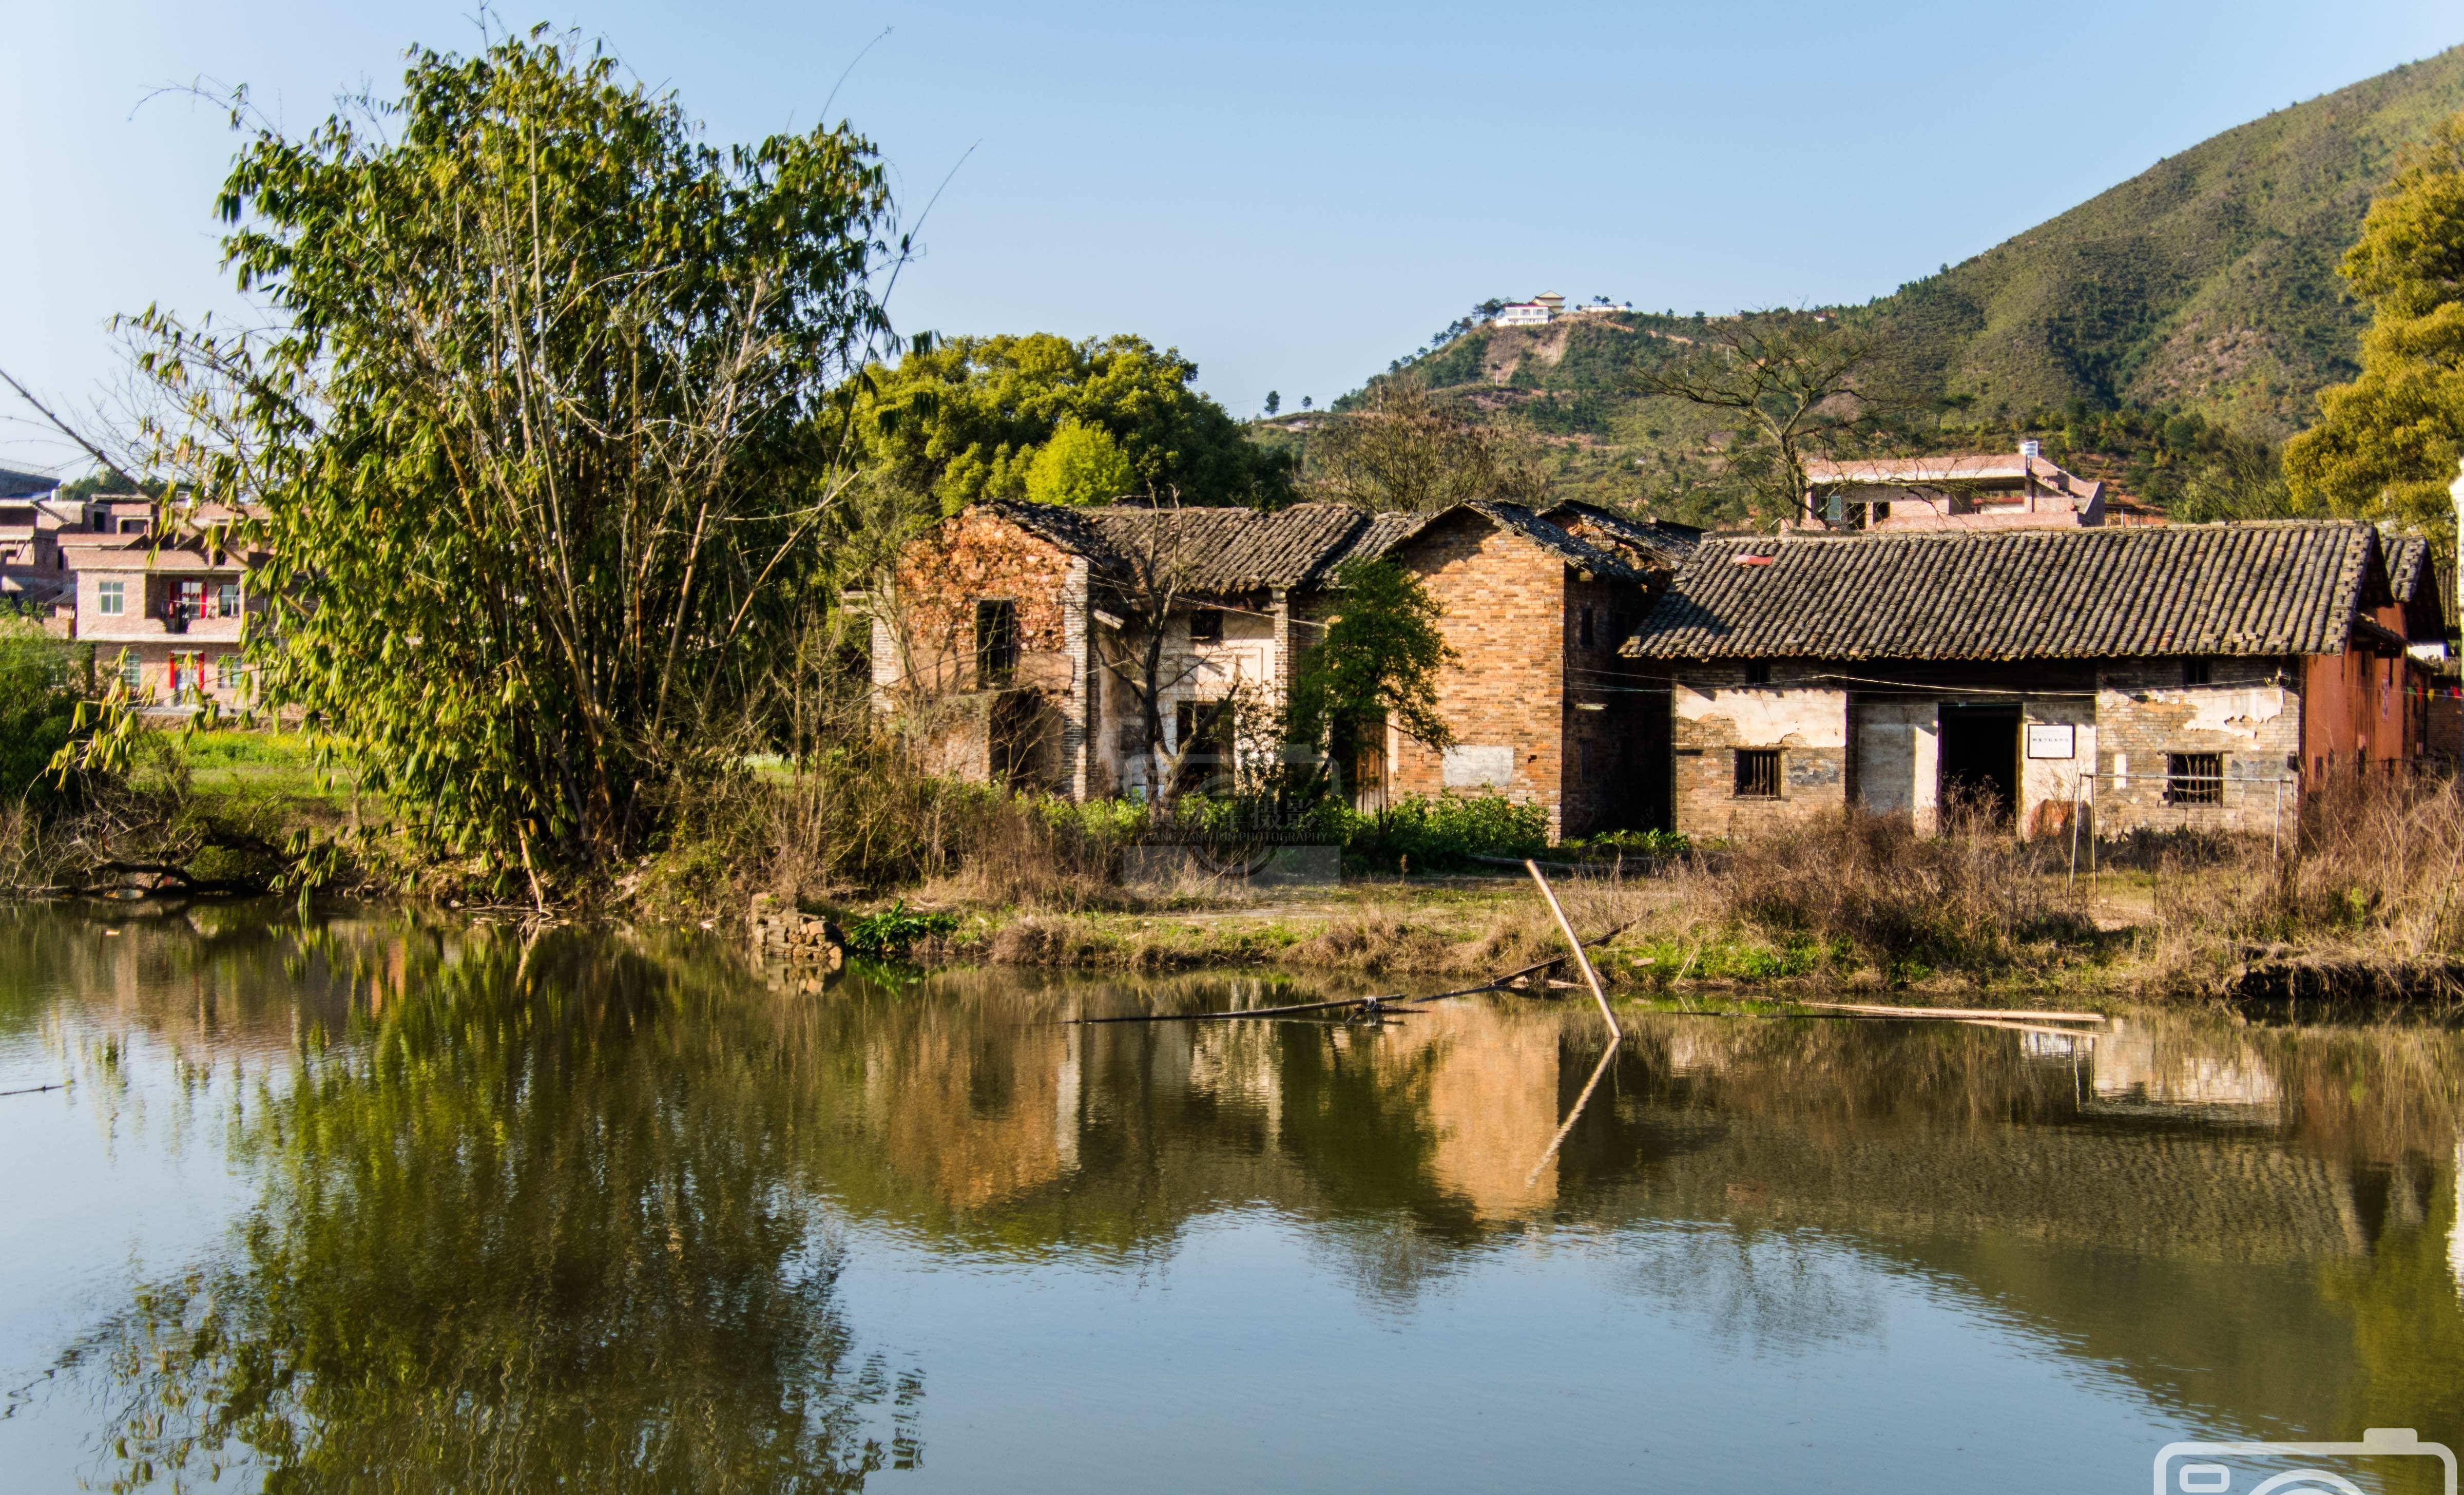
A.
pixel 1505 619
pixel 976 557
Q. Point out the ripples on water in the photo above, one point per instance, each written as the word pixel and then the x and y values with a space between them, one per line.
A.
pixel 384 1201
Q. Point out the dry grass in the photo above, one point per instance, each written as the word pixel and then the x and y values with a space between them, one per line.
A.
pixel 2373 880
pixel 1970 898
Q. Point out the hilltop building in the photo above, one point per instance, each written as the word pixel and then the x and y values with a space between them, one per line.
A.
pixel 1539 311
pixel 1967 492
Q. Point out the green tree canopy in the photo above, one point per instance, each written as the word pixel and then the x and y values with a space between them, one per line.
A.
pixel 541 437
pixel 2386 445
pixel 1378 662
pixel 964 419
pixel 1080 465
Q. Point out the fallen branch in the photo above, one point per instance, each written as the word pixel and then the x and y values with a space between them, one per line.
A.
pixel 37 1089
pixel 1873 1009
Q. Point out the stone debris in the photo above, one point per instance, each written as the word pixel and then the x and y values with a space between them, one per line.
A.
pixel 805 948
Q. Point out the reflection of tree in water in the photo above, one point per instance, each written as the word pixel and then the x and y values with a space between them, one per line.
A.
pixel 532 1227
pixel 1775 1290
pixel 2408 1335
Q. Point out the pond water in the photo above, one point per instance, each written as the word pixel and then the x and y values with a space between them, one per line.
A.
pixel 373 1200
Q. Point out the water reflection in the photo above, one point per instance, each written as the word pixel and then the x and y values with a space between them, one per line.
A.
pixel 565 1206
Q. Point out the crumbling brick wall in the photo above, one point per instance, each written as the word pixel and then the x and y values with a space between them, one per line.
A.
pixel 2249 713
pixel 1030 729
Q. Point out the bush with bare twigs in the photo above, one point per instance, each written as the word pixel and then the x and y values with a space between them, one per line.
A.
pixel 1969 897
pixel 2376 875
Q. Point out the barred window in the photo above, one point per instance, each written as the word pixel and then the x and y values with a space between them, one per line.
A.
pixel 1757 773
pixel 2195 778
pixel 1757 671
pixel 132 672
pixel 2194 672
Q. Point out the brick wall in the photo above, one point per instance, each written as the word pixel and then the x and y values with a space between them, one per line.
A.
pixel 2249 713
pixel 924 654
pixel 1715 715
pixel 1503 696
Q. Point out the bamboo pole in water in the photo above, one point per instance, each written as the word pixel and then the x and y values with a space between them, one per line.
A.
pixel 1591 977
pixel 1876 1009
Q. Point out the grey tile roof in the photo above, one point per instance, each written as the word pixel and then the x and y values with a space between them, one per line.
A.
pixel 2282 587
pixel 1228 550
pixel 25 485
pixel 1573 549
pixel 1673 541
pixel 1244 550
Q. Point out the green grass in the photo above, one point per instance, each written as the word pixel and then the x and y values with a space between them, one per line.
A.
pixel 275 764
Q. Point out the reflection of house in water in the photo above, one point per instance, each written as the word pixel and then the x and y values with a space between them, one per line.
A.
pixel 2136 1069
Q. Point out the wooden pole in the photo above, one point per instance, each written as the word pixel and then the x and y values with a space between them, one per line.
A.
pixel 1573 942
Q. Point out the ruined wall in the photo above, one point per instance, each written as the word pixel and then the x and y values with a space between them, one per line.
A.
pixel 1714 714
pixel 1031 731
pixel 1502 698
pixel 2250 712
pixel 1616 723
pixel 1245 666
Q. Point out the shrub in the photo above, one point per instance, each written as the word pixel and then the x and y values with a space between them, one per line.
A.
pixel 1446 831
pixel 1971 897
pixel 892 929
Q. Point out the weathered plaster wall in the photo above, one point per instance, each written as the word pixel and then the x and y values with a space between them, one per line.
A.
pixel 1898 756
pixel 2250 712
pixel 1714 713
pixel 2051 786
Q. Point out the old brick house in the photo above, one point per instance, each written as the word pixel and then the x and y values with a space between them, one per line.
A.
pixel 1011 637
pixel 2198 675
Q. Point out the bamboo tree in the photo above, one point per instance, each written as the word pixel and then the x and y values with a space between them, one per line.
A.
pixel 540 435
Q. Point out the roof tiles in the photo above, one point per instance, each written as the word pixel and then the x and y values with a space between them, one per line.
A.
pixel 2288 587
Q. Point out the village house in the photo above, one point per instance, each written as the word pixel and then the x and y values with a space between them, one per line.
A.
pixel 1538 312
pixel 162 613
pixel 1011 640
pixel 2201 677
pixel 1971 491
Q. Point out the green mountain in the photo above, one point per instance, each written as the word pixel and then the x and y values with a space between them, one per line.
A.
pixel 2200 293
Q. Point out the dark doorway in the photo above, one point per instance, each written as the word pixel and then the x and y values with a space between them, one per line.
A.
pixel 1980 758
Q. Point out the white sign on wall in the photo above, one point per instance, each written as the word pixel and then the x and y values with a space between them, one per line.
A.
pixel 2052 742
pixel 1478 767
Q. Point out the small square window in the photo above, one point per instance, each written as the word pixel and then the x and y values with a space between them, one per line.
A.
pixel 226 599
pixel 111 598
pixel 1757 773
pixel 1757 671
pixel 1206 626
pixel 2195 778
pixel 2194 672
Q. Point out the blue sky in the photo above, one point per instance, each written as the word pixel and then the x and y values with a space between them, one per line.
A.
pixel 1290 194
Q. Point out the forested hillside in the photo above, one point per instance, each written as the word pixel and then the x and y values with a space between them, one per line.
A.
pixel 2135 333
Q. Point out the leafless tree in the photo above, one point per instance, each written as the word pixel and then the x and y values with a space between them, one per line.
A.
pixel 1157 565
pixel 1809 382
pixel 1407 452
